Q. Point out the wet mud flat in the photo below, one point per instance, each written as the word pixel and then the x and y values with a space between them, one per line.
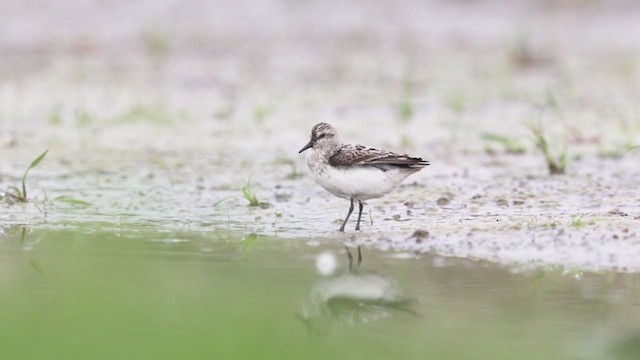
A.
pixel 161 128
pixel 582 221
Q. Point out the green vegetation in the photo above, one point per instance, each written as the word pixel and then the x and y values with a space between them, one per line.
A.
pixel 250 241
pixel 406 109
pixel 631 149
pixel 249 193
pixel 217 203
pixel 557 164
pixel 72 201
pixel 406 142
pixel 21 195
pixel 617 150
pixel 511 145
pixel 578 222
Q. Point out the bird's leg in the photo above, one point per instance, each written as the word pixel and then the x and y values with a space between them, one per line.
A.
pixel 347 218
pixel 359 257
pixel 361 206
pixel 350 257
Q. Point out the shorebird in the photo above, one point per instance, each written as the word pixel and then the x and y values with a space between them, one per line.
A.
pixel 355 172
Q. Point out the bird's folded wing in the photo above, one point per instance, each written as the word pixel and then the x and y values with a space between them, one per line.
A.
pixel 355 155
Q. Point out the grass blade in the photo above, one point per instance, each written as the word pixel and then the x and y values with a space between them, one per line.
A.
pixel 215 204
pixel 18 193
pixel 68 200
pixel 250 194
pixel 37 161
pixel 34 163
pixel 34 264
pixel 511 145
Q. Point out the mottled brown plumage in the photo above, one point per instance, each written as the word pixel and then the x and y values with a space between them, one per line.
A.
pixel 358 155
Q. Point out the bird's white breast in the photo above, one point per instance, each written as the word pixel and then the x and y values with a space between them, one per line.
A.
pixel 358 182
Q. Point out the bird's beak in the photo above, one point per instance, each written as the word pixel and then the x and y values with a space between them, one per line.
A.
pixel 309 144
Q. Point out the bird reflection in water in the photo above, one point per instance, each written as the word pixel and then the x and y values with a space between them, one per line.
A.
pixel 355 296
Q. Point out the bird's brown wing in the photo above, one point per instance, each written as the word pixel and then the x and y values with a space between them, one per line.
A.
pixel 358 155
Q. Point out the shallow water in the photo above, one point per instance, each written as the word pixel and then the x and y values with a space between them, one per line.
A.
pixel 139 293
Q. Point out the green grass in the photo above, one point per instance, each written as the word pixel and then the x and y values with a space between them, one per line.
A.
pixel 511 145
pixel 617 151
pixel 406 108
pixel 250 194
pixel 72 201
pixel 219 202
pixel 17 194
pixel 405 142
pixel 250 241
pixel 556 164
pixel 578 222
pixel 633 148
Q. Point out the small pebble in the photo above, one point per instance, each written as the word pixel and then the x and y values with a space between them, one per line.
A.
pixel 420 235
pixel 443 201
pixel 617 212
pixel 410 204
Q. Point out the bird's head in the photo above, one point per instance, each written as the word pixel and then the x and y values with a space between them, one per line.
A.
pixel 321 134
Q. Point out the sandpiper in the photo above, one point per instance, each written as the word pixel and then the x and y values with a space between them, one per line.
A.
pixel 355 172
